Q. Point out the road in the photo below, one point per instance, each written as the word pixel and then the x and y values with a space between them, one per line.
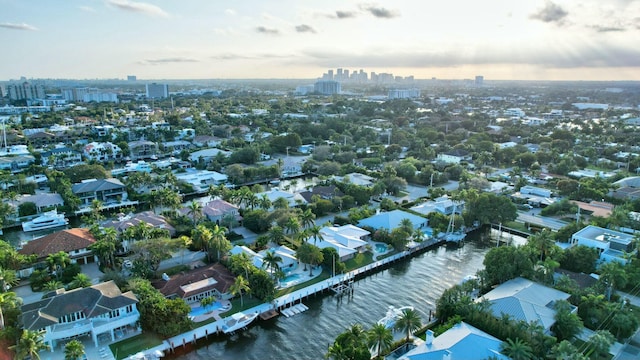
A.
pixel 551 223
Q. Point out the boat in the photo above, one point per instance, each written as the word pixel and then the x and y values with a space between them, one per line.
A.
pixel 454 236
pixel 237 321
pixel 48 220
pixel 393 314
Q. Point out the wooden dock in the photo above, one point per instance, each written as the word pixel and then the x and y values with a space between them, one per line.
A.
pixel 269 314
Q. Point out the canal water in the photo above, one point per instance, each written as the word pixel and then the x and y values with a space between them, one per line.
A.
pixel 418 281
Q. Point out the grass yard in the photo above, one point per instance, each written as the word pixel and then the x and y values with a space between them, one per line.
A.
pixel 133 345
pixel 359 260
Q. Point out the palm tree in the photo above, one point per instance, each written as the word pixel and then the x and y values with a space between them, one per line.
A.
pixel 271 261
pixel 208 301
pixel 315 233
pixel 408 322
pixel 380 337
pixel 73 350
pixel 52 285
pixel 516 350
pixel 219 240
pixel 307 218
pixel 104 249
pixel 337 352
pixel 240 285
pixel 8 300
pixel 96 207
pixel 406 225
pixel 281 203
pixel 276 234
pixel 201 236
pixel 194 209
pixel 292 225
pixel 57 262
pixel 30 344
pixel 264 203
pixel 184 242
pixel 543 242
pixel 80 281
pixel 8 279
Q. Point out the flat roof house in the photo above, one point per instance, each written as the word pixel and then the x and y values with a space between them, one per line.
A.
pixel 611 245
pixel 392 219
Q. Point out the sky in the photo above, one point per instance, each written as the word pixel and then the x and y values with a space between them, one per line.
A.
pixel 288 39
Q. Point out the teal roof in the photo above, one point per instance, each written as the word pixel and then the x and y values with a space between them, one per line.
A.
pixel 391 220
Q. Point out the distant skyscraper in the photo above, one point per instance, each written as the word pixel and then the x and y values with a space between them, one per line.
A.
pixel 132 78
pixel 479 80
pixel 339 75
pixel 25 91
pixel 330 75
pixel 346 74
pixel 327 87
pixel 157 90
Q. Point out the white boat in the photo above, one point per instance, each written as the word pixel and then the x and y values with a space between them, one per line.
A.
pixel 237 321
pixel 393 314
pixel 48 220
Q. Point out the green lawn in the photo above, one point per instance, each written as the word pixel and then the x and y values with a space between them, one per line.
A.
pixel 359 260
pixel 324 276
pixel 517 226
pixel 135 344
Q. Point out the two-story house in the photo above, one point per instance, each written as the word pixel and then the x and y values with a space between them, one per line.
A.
pixel 105 190
pixel 611 245
pixel 96 310
pixel 74 242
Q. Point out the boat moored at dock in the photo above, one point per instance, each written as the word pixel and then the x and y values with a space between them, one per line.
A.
pixel 48 220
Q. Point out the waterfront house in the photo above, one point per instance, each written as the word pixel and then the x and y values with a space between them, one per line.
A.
pixel 94 311
pixel 106 190
pixel 323 192
pixel 288 258
pixel 74 242
pixel 611 245
pixel 43 202
pixel 212 280
pixel 147 217
pixel 392 219
pixel 102 152
pixel 200 180
pixel 462 341
pixel 217 209
pixel 525 300
pixel 348 240
pixel 292 199
pixel 443 205
pixel 356 179
pixel 143 149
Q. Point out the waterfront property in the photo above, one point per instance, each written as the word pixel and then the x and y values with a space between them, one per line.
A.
pixel 348 240
pixel 99 309
pixel 462 341
pixel 392 219
pixel 147 217
pixel 611 245
pixel 526 300
pixel 213 280
pixel 443 205
pixel 104 190
pixel 75 242
pixel 202 179
pixel 288 261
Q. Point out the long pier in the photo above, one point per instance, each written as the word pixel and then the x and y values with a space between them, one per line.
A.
pixel 296 297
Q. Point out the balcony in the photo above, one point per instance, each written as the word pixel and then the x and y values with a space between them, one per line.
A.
pixel 62 331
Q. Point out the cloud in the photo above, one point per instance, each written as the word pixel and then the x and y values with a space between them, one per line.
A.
pixel 305 29
pixel 268 31
pixel 604 29
pixel 230 12
pixel 140 7
pixel 584 56
pixel 550 13
pixel 343 14
pixel 234 56
pixel 171 60
pixel 379 12
pixel 22 26
pixel 87 9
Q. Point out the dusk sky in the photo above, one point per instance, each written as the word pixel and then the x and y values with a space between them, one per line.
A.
pixel 205 39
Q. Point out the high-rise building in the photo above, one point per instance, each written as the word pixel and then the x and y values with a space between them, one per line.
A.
pixel 339 75
pixel 479 80
pixel 25 91
pixel 132 78
pixel 404 93
pixel 330 75
pixel 157 90
pixel 327 87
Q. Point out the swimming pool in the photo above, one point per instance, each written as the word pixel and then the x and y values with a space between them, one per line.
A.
pixel 381 248
pixel 290 278
pixel 201 310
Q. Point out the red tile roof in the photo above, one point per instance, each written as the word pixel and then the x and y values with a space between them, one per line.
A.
pixel 65 240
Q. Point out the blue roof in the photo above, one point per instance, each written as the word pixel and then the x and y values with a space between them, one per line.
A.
pixel 461 342
pixel 391 220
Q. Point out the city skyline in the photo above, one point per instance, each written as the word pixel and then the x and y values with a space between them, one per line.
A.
pixel 195 39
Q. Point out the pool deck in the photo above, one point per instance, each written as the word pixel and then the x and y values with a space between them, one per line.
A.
pixel 214 313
